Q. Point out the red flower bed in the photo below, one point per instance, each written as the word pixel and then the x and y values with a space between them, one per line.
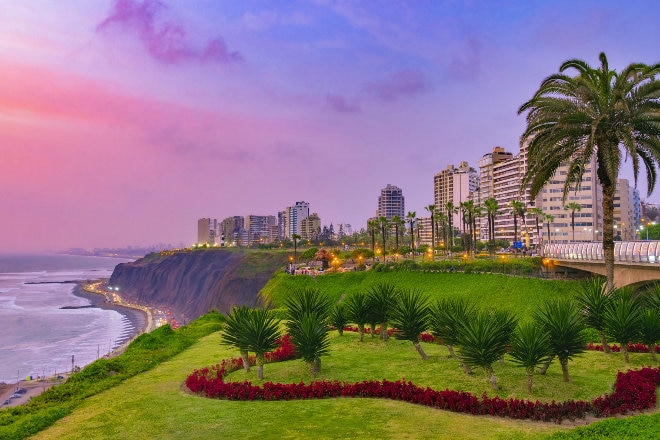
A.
pixel 633 391
pixel 632 348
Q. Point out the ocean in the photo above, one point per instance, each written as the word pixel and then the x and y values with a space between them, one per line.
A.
pixel 39 338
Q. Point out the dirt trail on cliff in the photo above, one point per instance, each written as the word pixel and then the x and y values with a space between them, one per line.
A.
pixel 193 283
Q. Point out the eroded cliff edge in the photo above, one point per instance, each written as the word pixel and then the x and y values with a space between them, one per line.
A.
pixel 193 283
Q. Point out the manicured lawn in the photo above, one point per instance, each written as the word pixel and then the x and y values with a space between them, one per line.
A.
pixel 154 405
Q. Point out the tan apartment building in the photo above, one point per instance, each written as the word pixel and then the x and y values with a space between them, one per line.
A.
pixel 456 185
pixel 310 227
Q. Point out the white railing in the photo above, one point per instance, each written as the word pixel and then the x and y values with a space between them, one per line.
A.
pixel 624 251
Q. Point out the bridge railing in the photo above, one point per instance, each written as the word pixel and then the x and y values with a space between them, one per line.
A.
pixel 624 251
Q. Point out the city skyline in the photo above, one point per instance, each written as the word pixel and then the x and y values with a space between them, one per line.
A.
pixel 120 121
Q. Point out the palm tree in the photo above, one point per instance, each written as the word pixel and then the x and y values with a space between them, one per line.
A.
pixel 234 332
pixel 357 308
pixel 411 217
pixel 372 226
pixel 491 207
pixel 598 113
pixel 483 340
pixel 573 206
pixel 538 215
pixel 447 314
pixel 339 317
pixel 381 300
pixel 451 210
pixel 384 227
pixel 649 329
pixel 295 238
pixel 622 320
pixel 518 210
pixel 410 318
pixel 398 223
pixel 262 331
pixel 530 347
pixel 564 324
pixel 594 300
pixel 549 218
pixel 431 210
pixel 307 314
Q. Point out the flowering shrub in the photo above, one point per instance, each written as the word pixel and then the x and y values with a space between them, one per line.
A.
pixel 424 337
pixel 632 348
pixel 634 390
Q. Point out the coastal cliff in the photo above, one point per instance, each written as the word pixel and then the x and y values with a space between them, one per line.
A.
pixel 193 283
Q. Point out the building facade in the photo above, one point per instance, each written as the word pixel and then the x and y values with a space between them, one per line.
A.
pixel 294 215
pixel 258 229
pixel 456 185
pixel 310 227
pixel 207 231
pixel 391 202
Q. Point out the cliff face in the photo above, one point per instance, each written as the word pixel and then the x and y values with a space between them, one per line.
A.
pixel 193 283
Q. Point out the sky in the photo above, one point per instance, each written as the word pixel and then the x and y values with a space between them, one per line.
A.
pixel 124 121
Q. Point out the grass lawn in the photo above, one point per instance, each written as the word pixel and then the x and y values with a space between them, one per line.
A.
pixel 154 405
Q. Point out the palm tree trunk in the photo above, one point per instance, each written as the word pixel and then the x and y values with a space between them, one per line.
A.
pixel 624 349
pixel 361 330
pixel 544 367
pixel 652 351
pixel 260 367
pixel 608 233
pixel 564 369
pixel 246 360
pixel 603 341
pixel 314 366
pixel 491 378
pixel 383 331
pixel 530 378
pixel 420 350
pixel 450 347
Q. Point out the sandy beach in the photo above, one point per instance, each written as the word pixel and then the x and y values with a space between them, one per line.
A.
pixel 137 317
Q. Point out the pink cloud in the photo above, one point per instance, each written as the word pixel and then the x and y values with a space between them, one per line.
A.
pixel 165 41
pixel 408 82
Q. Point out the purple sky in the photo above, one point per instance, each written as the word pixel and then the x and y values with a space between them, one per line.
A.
pixel 123 121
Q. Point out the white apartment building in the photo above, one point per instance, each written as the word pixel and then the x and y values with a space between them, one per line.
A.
pixel 456 185
pixel 293 218
pixel 258 229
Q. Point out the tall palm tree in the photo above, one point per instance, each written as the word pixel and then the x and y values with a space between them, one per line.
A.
pixel 398 223
pixel 384 224
pixel 491 207
pixel 295 238
pixel 573 206
pixel 431 210
pixel 564 324
pixel 451 210
pixel 441 224
pixel 549 218
pixel 537 213
pixel 410 318
pixel 598 113
pixel 518 210
pixel 594 300
pixel 411 217
pixel 372 226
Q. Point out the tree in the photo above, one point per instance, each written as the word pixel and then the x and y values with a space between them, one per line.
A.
pixel 441 224
pixel 358 311
pixel 530 347
pixel 384 227
pixel 295 238
pixel 381 300
pixel 447 314
pixel 491 207
pixel 372 226
pixel 649 329
pixel 483 339
pixel 234 332
pixel 573 206
pixel 411 217
pixel 307 323
pixel 537 213
pixel 598 113
pixel 339 317
pixel 564 324
pixel 262 330
pixel 451 210
pixel 410 318
pixel 398 224
pixel 594 300
pixel 431 210
pixel 622 320
pixel 549 218
pixel 518 210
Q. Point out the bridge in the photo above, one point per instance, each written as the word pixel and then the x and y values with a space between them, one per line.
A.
pixel 634 261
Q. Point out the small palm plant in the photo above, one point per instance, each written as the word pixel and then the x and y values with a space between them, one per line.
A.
pixel 410 318
pixel 622 320
pixel 234 332
pixel 382 299
pixel 261 332
pixel 507 322
pixel 649 329
pixel 594 300
pixel 563 323
pixel 339 317
pixel 446 316
pixel 357 308
pixel 483 340
pixel 530 347
pixel 307 313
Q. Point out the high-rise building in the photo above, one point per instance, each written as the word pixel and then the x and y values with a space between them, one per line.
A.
pixel 456 185
pixel 294 215
pixel 207 231
pixel 232 229
pixel 310 227
pixel 486 191
pixel 391 202
pixel 258 229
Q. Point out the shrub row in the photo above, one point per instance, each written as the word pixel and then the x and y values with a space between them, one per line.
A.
pixel 632 348
pixel 634 390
